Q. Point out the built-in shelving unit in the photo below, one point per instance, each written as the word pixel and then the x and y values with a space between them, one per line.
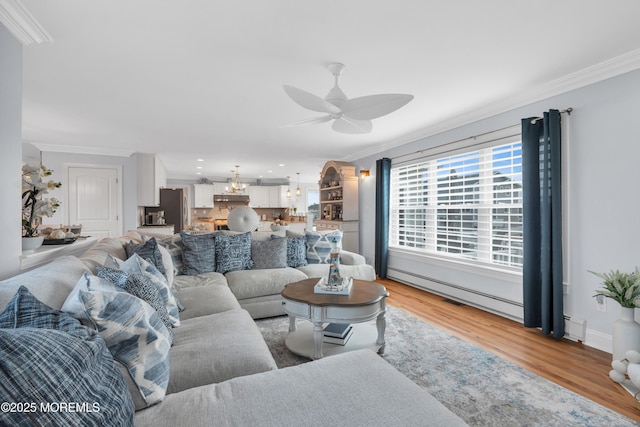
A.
pixel 339 202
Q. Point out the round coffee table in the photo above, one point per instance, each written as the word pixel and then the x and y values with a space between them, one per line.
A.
pixel 365 302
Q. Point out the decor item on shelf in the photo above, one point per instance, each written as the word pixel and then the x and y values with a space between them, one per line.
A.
pixel 279 226
pixel 351 116
pixel 625 289
pixel 34 206
pixel 236 185
pixel 298 191
pixel 243 218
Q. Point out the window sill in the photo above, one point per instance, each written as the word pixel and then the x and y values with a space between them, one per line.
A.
pixel 506 274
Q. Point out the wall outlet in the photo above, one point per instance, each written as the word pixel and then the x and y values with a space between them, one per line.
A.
pixel 601 303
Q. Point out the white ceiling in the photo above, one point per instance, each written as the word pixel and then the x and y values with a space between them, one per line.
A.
pixel 203 79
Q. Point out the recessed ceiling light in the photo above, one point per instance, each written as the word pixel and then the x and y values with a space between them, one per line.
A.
pixel 270 171
pixel 200 160
pixel 281 164
pixel 198 167
pixel 198 173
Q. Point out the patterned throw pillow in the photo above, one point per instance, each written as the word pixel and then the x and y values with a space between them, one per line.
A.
pixel 136 264
pixel 138 286
pixel 269 253
pixel 135 336
pixel 148 250
pixel 69 363
pixel 173 245
pixel 319 246
pixel 198 253
pixel 88 282
pixel 296 250
pixel 233 252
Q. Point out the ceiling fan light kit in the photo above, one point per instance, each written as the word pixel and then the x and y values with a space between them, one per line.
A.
pixel 351 116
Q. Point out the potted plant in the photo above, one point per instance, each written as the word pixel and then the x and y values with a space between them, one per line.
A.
pixel 625 289
pixel 34 206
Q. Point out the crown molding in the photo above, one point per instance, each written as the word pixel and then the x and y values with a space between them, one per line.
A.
pixel 21 23
pixel 76 149
pixel 593 74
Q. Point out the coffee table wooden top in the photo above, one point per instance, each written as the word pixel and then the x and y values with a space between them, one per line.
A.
pixel 363 292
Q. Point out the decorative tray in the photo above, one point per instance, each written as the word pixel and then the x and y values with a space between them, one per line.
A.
pixel 322 287
pixel 59 241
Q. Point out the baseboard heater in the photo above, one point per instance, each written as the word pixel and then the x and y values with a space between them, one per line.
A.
pixel 575 328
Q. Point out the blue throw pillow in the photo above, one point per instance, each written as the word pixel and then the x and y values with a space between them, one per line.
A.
pixel 296 250
pixel 138 286
pixel 70 363
pixel 148 250
pixel 319 246
pixel 233 252
pixel 198 253
pixel 135 336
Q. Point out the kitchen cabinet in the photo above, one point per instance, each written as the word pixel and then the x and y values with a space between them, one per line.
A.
pixel 203 195
pixel 152 176
pixel 220 187
pixel 339 208
pixel 274 196
pixel 259 197
pixel 278 196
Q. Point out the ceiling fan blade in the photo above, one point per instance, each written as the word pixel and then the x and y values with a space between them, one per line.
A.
pixel 308 121
pixel 310 101
pixel 352 126
pixel 374 106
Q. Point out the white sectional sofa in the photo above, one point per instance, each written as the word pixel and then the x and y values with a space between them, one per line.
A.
pixel 220 371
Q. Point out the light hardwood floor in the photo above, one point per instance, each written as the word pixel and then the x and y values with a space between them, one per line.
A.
pixel 573 365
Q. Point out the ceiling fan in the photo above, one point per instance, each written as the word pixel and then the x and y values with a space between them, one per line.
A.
pixel 349 115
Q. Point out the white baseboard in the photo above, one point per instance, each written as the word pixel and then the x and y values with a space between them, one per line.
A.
pixel 599 340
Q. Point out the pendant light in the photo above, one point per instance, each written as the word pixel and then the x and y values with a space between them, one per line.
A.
pixel 298 191
pixel 289 189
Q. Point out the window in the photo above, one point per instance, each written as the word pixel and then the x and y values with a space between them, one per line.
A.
pixel 467 205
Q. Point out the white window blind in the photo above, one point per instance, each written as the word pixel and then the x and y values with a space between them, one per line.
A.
pixel 467 205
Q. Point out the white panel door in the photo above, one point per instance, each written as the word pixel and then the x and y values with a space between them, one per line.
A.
pixel 94 198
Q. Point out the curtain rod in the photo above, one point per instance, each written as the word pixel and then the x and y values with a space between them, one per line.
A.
pixel 566 110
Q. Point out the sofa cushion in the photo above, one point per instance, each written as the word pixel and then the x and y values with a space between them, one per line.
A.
pixel 205 300
pixel 204 279
pixel 214 348
pixel 137 265
pixel 255 283
pixel 233 252
pixel 138 286
pixel 49 283
pixel 135 336
pixel 269 253
pixel 69 362
pixel 319 246
pixel 368 392
pixel 97 254
pixel 198 253
pixel 148 250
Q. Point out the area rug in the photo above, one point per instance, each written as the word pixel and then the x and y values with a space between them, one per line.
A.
pixel 480 387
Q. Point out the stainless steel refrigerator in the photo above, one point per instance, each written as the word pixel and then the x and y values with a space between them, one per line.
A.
pixel 175 204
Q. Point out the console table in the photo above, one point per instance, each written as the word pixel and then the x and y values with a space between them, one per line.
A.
pixel 46 253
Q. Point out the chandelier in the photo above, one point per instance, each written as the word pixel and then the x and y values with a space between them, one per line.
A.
pixel 236 185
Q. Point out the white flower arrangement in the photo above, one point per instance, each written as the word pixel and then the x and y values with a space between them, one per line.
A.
pixel 33 205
